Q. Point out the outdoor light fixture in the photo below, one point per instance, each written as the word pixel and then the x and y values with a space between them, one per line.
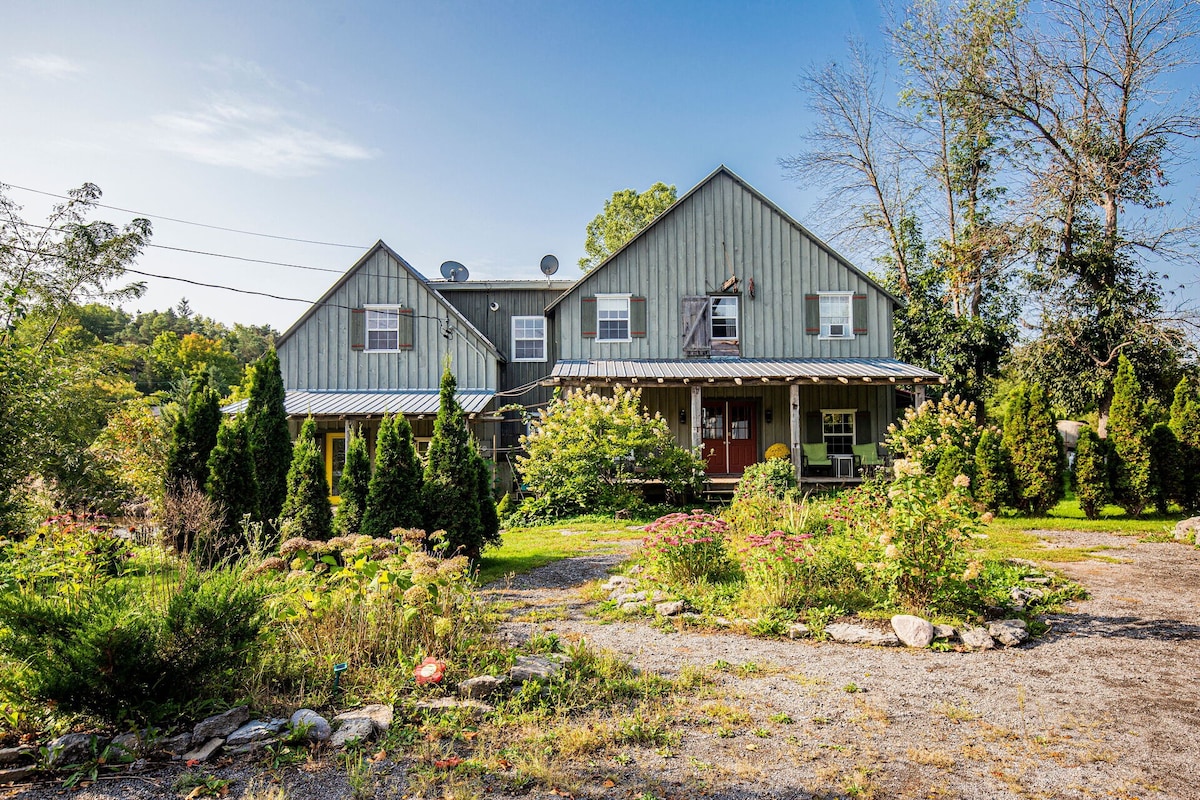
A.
pixel 683 416
pixel 768 415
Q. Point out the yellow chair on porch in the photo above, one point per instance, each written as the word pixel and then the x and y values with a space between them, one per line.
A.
pixel 815 455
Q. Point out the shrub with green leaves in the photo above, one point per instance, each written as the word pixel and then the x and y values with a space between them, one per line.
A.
pixel 1090 473
pixel 306 511
pixel 954 462
pixel 1034 446
pixel 1185 422
pixel 683 548
pixel 775 477
pixel 775 566
pixel 353 486
pixel 394 493
pixel 927 432
pixel 1166 462
pixel 267 431
pixel 1129 435
pixel 231 483
pixel 193 436
pixel 993 471
pixel 590 452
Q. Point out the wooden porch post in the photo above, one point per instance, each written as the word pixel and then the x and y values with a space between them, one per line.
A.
pixel 918 395
pixel 794 404
pixel 697 412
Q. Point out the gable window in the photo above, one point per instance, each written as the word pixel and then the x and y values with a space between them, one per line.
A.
pixel 529 338
pixel 837 430
pixel 383 328
pixel 612 318
pixel 835 316
pixel 723 318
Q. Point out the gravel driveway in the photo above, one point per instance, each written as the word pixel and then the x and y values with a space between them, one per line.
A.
pixel 1107 704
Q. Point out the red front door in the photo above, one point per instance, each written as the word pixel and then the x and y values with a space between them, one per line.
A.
pixel 729 435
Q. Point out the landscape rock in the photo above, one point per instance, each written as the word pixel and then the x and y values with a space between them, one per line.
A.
pixel 630 597
pixel 74 748
pixel 530 668
pixel 17 774
pixel 631 606
pixel 616 582
pixel 944 632
pixel 255 731
pixel 221 725
pixel 319 729
pixel 249 748
pixel 481 686
pixel 474 708
pixel 1008 632
pixel 857 634
pixel 179 743
pixel 798 630
pixel 976 638
pixel 912 631
pixel 355 729
pixel 379 714
pixel 1185 530
pixel 669 608
pixel 205 751
pixel 11 755
pixel 131 743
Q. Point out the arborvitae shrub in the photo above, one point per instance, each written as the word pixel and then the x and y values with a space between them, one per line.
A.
pixel 775 477
pixel 1130 439
pixel 353 486
pixel 1166 462
pixel 231 485
pixel 954 462
pixel 1185 422
pixel 270 440
pixel 1090 474
pixel 194 436
pixel 394 493
pixel 993 472
pixel 1034 446
pixel 489 515
pixel 306 512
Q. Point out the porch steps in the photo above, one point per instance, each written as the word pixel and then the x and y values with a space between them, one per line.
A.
pixel 719 490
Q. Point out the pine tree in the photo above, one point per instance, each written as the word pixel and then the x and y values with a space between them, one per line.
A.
pixel 954 461
pixel 489 516
pixel 231 483
pixel 1185 422
pixel 1166 467
pixel 451 492
pixel 1032 440
pixel 193 437
pixel 306 512
pixel 394 494
pixel 1090 474
pixel 269 438
pixel 353 486
pixel 1130 439
pixel 993 472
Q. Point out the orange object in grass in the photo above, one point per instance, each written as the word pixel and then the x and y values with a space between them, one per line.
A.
pixel 429 671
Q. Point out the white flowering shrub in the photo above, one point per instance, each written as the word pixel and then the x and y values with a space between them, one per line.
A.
pixel 925 434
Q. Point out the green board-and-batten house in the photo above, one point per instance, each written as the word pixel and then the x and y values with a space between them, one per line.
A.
pixel 741 328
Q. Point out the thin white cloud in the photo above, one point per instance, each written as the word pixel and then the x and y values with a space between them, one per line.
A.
pixel 46 65
pixel 232 131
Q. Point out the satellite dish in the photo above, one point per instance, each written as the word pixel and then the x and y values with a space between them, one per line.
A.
pixel 454 271
pixel 549 265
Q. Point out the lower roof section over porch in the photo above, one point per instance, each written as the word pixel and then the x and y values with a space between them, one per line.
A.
pixel 738 371
pixel 299 403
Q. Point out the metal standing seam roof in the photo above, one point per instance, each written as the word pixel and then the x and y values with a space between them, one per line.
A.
pixel 728 369
pixel 302 403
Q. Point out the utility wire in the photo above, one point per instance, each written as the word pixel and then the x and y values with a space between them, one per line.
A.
pixel 189 222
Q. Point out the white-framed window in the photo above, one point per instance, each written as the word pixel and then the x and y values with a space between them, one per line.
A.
pixel 723 318
pixel 612 318
pixel 383 328
pixel 837 429
pixel 529 338
pixel 836 322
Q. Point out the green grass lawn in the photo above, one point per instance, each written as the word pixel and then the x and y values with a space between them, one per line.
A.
pixel 1012 537
pixel 523 549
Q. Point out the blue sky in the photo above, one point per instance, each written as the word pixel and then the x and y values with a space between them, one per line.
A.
pixel 489 133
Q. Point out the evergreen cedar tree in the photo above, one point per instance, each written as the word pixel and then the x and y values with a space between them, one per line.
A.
pixel 456 494
pixel 306 510
pixel 1091 472
pixel 993 472
pixel 1166 463
pixel 953 462
pixel 1035 447
pixel 193 437
pixel 393 498
pixel 268 436
pixel 1185 422
pixel 1130 440
pixel 231 482
pixel 353 486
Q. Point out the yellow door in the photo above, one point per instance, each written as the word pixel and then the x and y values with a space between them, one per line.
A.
pixel 335 461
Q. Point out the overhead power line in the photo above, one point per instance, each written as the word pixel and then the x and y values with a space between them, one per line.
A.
pixel 196 224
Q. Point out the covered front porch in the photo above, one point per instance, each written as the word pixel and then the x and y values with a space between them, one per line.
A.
pixel 830 415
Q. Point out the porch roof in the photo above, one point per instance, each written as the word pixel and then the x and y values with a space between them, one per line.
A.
pixel 424 401
pixel 678 371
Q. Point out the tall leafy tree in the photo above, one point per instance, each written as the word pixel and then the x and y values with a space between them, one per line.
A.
pixel 231 482
pixel 1130 438
pixel 306 510
pixel 353 486
pixel 624 215
pixel 452 481
pixel 268 436
pixel 193 437
pixel 394 495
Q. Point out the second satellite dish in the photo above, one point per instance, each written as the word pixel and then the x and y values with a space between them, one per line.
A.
pixel 549 265
pixel 454 272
